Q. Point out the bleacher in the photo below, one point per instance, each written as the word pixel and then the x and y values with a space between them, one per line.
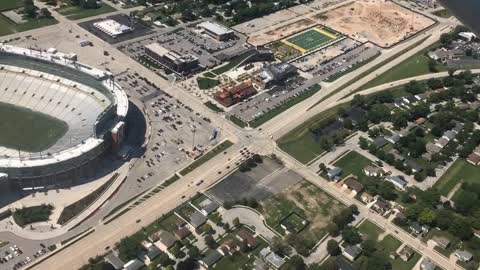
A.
pixel 76 104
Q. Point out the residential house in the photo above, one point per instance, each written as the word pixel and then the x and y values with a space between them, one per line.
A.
pixel 245 236
pixel 114 261
pixel 165 240
pixel 420 121
pixel 449 135
pixel 406 253
pixel 211 257
pixel 380 205
pixel 357 115
pixel 351 252
pixel 275 260
pixel 342 264
pixel 182 233
pixel 463 255
pixel 442 142
pixel 353 185
pixel 441 241
pixel 379 142
pixel 421 97
pixel 366 198
pixel 207 207
pixel 397 154
pixel 473 159
pixel 197 219
pixel 151 254
pixel 393 139
pixel 373 171
pixel 427 264
pixel 398 182
pixel 413 165
pixel 228 248
pixel 416 228
pixel 432 148
pixel 133 265
pixel 334 173
pixel 260 264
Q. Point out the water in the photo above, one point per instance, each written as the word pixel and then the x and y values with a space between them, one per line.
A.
pixel 467 11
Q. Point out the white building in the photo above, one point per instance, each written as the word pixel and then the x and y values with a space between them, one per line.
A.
pixel 112 28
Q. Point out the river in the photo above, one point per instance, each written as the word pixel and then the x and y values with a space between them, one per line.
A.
pixel 467 11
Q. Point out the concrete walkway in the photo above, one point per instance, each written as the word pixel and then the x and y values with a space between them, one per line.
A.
pixel 250 218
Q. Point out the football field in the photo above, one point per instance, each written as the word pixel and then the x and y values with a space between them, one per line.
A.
pixel 312 39
pixel 27 130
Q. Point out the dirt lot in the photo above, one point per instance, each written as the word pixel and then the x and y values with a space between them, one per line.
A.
pixel 381 22
pixel 308 201
pixel 262 38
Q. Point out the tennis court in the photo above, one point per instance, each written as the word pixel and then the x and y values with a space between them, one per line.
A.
pixel 312 39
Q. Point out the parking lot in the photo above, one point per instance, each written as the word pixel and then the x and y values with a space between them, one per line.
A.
pixel 255 106
pixel 189 41
pixel 260 183
pixel 16 256
pixel 177 134
pixel 346 61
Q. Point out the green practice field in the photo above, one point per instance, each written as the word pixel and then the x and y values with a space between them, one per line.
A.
pixel 29 131
pixel 311 39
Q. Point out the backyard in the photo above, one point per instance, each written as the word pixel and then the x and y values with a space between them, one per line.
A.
pixel 460 170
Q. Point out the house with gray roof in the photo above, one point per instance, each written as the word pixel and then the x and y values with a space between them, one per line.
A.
pixel 334 173
pixel 197 219
pixel 211 257
pixel 398 182
pixel 427 264
pixel 352 252
pixel 413 165
pixel 133 265
pixel 379 142
pixel 463 255
pixel 165 240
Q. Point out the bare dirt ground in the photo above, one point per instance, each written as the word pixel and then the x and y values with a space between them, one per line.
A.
pixel 259 24
pixel 382 22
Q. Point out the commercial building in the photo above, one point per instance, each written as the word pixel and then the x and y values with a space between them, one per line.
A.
pixel 217 31
pixel 235 94
pixel 182 64
pixel 112 28
pixel 274 74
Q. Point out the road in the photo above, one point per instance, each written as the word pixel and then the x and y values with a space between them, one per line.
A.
pixel 260 141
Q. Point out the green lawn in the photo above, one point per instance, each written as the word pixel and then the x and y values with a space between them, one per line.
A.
pixel 213 107
pixel 390 244
pixel 237 121
pixel 284 106
pixel 300 143
pixel 206 157
pixel 10 4
pixel 76 13
pixel 26 130
pixel 7 27
pixel 370 230
pixel 237 261
pixel 353 163
pixel 460 170
pixel 207 83
pixel 28 215
pixel 399 264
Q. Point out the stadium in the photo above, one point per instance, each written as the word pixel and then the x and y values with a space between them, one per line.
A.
pixel 56 114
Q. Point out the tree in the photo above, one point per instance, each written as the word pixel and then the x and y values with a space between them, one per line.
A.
pixel 128 248
pixel 236 222
pixel 30 9
pixel 188 264
pixel 295 263
pixel 363 143
pixel 279 246
pixel 333 248
pixel 193 252
pixel 379 262
pixel 322 167
pixel 333 229
pixel 467 202
pixel 351 236
pixel 210 242
pixel 46 13
pixel 427 216
pixel 368 247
